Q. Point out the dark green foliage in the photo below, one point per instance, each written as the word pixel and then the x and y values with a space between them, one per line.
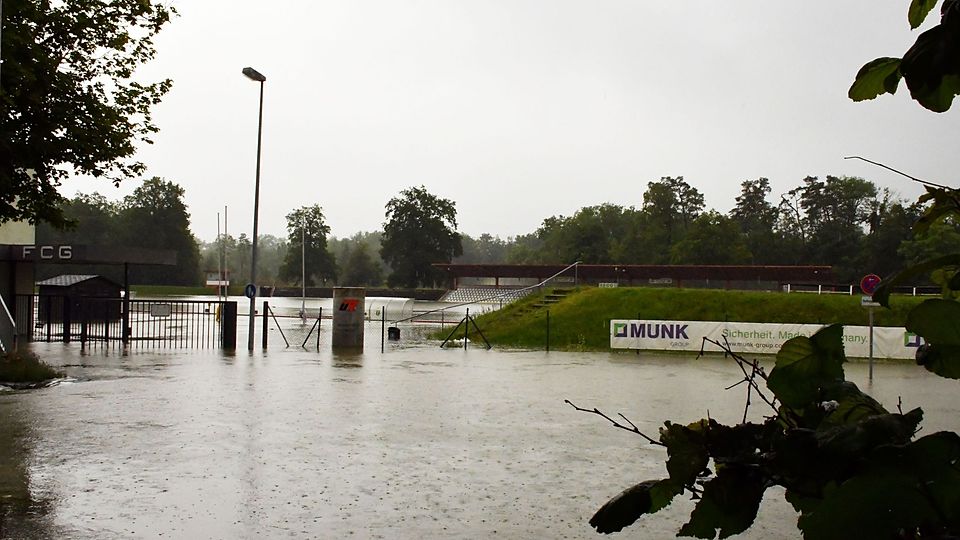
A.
pixel 931 67
pixel 307 248
pixel 25 367
pixel 485 249
pixel 154 216
pixel 359 268
pixel 421 229
pixel 70 102
pixel 729 503
pixel 643 498
pixel 687 454
pixel 850 468
pixel 711 238
pixel 805 365
pixel 936 321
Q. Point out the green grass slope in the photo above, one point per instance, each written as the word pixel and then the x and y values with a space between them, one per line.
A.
pixel 581 320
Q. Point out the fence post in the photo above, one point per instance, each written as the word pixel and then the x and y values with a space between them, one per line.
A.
pixel 548 330
pixel 266 324
pixel 49 316
pixel 83 325
pixel 228 325
pixel 466 329
pixel 125 331
pixel 67 304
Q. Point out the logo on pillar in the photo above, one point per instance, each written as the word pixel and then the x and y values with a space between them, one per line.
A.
pixel 349 304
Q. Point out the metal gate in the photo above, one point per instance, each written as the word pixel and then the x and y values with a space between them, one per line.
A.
pixel 97 321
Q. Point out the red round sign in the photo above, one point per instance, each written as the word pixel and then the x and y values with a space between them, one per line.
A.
pixel 869 283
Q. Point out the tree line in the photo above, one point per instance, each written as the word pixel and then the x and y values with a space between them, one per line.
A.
pixel 845 222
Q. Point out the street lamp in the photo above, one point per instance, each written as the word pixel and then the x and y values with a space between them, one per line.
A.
pixel 255 75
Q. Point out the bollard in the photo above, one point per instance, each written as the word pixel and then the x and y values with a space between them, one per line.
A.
pixel 348 315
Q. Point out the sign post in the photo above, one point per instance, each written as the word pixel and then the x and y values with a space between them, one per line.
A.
pixel 868 285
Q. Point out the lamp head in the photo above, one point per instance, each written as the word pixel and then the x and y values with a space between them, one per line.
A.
pixel 253 74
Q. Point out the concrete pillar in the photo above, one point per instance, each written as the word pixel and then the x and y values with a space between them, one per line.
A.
pixel 348 310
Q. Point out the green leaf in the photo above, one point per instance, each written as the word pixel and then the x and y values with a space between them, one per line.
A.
pixel 850 442
pixel 899 487
pixel 624 509
pixel 944 202
pixel 880 76
pixel 937 321
pixel 728 505
pixel 882 293
pixel 737 443
pixel 686 451
pixel 918 12
pixel 938 98
pixel 805 364
pixel 852 405
pixel 876 505
pixel 944 360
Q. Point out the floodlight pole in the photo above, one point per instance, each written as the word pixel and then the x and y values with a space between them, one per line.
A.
pixel 255 75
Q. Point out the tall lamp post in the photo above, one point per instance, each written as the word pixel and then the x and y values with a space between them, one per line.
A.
pixel 255 75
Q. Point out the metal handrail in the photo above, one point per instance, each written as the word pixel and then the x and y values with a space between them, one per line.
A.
pixel 489 298
pixel 8 329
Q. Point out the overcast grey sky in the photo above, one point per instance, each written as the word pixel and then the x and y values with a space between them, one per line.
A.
pixel 519 110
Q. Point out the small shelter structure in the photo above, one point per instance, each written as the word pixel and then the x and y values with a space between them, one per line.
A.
pixel 72 293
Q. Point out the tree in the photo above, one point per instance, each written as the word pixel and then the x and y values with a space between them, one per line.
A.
pixel 524 249
pixel 711 239
pixel 931 67
pixel 307 235
pixel 594 235
pixel 421 229
pixel 890 229
pixel 70 102
pixel 486 249
pixel 669 206
pixel 360 269
pixel 93 218
pixel 836 214
pixel 95 221
pixel 757 219
pixel 155 216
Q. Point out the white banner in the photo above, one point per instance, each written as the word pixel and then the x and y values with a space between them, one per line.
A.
pixel 764 338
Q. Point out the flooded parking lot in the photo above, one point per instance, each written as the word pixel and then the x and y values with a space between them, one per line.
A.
pixel 416 442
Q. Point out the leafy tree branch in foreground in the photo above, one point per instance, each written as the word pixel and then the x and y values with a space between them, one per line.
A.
pixel 850 468
pixel 70 103
pixel 931 67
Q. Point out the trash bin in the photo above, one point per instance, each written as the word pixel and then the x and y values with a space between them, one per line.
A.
pixel 393 333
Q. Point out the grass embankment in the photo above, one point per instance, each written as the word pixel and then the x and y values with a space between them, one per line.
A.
pixel 25 367
pixel 581 320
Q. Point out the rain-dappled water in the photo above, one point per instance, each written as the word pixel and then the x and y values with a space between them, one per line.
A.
pixel 417 442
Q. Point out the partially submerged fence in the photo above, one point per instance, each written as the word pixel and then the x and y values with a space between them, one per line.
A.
pixel 97 321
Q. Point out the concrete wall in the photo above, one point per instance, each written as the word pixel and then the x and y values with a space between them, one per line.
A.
pixel 18 232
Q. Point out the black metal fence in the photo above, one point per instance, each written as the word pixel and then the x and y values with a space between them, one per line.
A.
pixel 95 321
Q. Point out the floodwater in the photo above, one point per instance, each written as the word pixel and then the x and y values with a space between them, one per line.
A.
pixel 415 442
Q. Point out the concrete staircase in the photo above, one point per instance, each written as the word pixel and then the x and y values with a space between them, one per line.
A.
pixel 552 297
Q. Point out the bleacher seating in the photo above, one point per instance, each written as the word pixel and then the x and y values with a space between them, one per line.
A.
pixel 477 294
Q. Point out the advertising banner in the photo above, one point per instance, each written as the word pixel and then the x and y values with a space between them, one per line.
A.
pixel 762 338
